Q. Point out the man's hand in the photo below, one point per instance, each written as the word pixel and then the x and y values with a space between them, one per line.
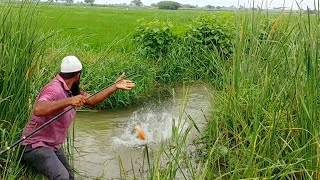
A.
pixel 122 83
pixel 44 108
pixel 78 101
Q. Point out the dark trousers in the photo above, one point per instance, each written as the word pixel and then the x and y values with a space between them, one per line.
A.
pixel 52 164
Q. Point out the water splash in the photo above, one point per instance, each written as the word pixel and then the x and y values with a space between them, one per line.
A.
pixel 157 126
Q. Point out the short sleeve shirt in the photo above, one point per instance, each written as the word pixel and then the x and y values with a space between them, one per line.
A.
pixel 55 134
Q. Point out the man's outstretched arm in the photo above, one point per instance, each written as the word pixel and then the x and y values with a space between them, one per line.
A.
pixel 121 83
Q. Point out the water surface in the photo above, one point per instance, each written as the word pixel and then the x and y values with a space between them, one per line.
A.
pixel 104 140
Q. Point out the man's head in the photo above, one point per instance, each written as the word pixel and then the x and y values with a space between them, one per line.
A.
pixel 71 69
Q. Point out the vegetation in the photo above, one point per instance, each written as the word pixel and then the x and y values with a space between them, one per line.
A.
pixel 137 3
pixel 21 49
pixel 110 31
pixel 157 39
pixel 265 117
pixel 171 5
pixel 154 38
pixel 212 33
pixel 89 2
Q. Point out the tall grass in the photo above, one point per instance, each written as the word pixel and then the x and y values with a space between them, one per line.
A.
pixel 21 49
pixel 267 116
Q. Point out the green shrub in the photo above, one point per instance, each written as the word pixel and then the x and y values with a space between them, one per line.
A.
pixel 183 63
pixel 212 33
pixel 154 37
pixel 171 5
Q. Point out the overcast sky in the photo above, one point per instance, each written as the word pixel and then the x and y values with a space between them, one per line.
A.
pixel 269 3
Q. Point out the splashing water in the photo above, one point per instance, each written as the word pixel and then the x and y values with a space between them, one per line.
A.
pixel 104 137
pixel 156 125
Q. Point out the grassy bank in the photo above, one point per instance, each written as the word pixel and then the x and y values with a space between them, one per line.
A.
pixel 101 27
pixel 265 119
pixel 33 59
pixel 21 49
pixel 265 116
pixel 105 45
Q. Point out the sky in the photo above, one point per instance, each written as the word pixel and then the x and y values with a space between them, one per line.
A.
pixel 201 3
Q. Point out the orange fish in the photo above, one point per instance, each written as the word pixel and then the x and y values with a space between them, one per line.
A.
pixel 140 133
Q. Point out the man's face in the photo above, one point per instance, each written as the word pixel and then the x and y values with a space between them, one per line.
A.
pixel 75 88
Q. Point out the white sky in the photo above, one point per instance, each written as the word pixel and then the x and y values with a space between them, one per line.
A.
pixel 247 3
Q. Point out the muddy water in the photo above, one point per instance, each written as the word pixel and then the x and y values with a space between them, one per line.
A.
pixel 105 141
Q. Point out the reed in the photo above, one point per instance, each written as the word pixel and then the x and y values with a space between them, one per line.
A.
pixel 21 50
pixel 264 121
pixel 266 117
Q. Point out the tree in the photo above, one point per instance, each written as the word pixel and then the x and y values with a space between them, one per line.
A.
pixel 210 7
pixel 187 6
pixel 137 2
pixel 89 2
pixel 168 5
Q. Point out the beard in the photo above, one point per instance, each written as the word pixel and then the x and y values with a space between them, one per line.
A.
pixel 75 88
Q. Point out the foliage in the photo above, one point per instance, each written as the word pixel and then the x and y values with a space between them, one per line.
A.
pixel 187 6
pixel 213 33
pixel 210 7
pixel 89 2
pixel 210 33
pixel 111 29
pixel 154 37
pixel 267 115
pixel 101 72
pixel 137 3
pixel 171 5
pixel 183 63
pixel 68 1
pixel 22 47
pixel 265 119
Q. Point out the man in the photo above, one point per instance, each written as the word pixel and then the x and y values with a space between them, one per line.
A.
pixel 43 149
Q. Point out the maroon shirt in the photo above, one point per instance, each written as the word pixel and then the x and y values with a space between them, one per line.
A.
pixel 55 134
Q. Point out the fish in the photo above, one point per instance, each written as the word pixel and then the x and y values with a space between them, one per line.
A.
pixel 140 133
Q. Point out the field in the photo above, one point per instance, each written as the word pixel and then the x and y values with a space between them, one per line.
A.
pixel 264 68
pixel 101 26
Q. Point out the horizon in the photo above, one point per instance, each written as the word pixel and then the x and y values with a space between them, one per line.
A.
pixel 264 4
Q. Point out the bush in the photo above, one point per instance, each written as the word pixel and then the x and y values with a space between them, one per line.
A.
pixel 168 5
pixel 211 33
pixel 154 37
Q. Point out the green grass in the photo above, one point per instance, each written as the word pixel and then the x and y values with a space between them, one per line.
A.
pixel 23 73
pixel 103 25
pixel 21 52
pixel 102 38
pixel 265 117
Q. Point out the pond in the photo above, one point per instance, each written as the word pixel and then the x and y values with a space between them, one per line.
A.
pixel 104 140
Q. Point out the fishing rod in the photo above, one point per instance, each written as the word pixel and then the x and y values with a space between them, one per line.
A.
pixel 53 119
